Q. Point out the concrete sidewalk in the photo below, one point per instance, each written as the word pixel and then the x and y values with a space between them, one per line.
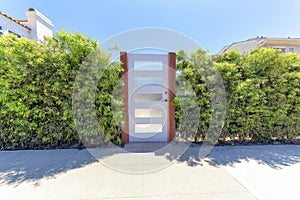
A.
pixel 241 172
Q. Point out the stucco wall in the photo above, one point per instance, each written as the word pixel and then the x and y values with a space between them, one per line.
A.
pixel 38 25
pixel 9 25
pixel 297 50
pixel 43 29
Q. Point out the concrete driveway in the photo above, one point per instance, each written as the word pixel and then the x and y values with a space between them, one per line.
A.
pixel 240 172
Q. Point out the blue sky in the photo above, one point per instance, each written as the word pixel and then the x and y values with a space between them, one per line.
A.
pixel 212 23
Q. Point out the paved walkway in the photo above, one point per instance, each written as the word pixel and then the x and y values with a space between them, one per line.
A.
pixel 248 172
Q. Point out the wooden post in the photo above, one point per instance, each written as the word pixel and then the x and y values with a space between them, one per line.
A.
pixel 124 74
pixel 171 95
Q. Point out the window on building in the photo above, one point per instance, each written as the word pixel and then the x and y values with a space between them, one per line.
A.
pixel 291 49
pixel 282 49
pixel 19 36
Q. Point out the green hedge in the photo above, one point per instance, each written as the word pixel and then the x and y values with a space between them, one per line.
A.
pixel 263 94
pixel 37 82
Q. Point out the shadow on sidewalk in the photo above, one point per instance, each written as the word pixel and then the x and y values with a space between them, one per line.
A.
pixel 20 166
pixel 274 156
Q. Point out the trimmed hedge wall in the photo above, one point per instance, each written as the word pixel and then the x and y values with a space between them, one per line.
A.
pixel 37 82
pixel 263 95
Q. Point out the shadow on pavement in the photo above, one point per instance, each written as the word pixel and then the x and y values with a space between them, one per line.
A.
pixel 275 156
pixel 30 165
pixel 19 166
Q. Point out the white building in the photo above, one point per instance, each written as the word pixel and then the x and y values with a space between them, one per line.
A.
pixel 36 27
pixel 284 44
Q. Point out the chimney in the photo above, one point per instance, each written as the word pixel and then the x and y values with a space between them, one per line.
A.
pixel 40 25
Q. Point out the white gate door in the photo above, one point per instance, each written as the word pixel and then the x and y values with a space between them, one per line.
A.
pixel 147 97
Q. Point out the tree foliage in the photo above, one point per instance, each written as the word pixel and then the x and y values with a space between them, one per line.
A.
pixel 263 95
pixel 37 82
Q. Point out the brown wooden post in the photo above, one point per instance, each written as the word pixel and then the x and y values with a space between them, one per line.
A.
pixel 171 95
pixel 124 74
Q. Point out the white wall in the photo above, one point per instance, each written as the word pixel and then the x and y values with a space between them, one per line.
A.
pixel 39 26
pixel 297 50
pixel 9 25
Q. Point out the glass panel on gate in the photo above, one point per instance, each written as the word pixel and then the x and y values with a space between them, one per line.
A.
pixel 148 113
pixel 147 97
pixel 148 65
pixel 148 128
pixel 143 81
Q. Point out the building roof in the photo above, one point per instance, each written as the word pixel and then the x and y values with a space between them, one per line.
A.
pixel 14 20
pixel 253 43
pixel 243 46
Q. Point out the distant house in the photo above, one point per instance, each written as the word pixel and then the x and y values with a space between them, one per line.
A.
pixel 284 44
pixel 35 27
